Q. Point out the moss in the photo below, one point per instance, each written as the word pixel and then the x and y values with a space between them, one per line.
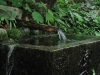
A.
pixel 14 33
pixel 25 32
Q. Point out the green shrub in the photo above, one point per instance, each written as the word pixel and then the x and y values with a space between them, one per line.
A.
pixel 14 33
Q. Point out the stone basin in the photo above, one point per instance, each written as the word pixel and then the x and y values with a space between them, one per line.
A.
pixel 78 57
pixel 53 40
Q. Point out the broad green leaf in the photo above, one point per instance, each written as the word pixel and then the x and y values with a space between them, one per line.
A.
pixel 2 18
pixel 72 16
pixel 49 17
pixel 10 25
pixel 27 8
pixel 78 17
pixel 37 17
pixel 50 12
pixel 14 25
pixel 7 21
pixel 60 21
pixel 86 19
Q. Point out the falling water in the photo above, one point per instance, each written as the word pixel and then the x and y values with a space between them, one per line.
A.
pixel 62 35
pixel 9 65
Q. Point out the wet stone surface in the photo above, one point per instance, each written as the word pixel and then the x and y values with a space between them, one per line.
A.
pixel 72 59
pixel 3 58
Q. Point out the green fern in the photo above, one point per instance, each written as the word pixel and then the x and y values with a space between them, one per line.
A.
pixel 78 17
pixel 37 17
pixel 27 7
pixel 49 16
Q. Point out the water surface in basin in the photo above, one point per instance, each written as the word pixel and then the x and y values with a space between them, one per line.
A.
pixel 53 40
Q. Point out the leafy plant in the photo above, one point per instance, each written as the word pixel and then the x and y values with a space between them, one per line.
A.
pixel 37 12
pixel 76 21
pixel 49 17
pixel 66 15
pixel 14 33
pixel 16 3
pixel 37 16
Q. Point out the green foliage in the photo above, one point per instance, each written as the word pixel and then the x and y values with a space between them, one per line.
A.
pixel 27 7
pixel 73 20
pixel 5 15
pixel 80 19
pixel 14 33
pixel 16 3
pixel 97 4
pixel 2 15
pixel 3 2
pixel 35 10
pixel 59 11
pixel 37 16
pixel 66 15
pixel 49 17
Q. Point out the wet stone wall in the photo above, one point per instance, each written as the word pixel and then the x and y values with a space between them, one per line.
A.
pixel 3 58
pixel 74 60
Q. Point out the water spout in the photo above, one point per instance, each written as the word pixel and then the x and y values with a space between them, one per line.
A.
pixel 9 64
pixel 62 35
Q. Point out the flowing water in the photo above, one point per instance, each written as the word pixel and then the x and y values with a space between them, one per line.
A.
pixel 62 35
pixel 9 64
pixel 48 40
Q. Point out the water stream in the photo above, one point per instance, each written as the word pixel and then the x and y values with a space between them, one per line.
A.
pixel 9 64
pixel 62 35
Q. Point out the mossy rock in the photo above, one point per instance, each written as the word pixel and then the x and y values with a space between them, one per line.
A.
pixel 14 33
pixel 3 34
pixel 25 32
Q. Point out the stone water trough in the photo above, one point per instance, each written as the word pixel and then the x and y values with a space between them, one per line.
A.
pixel 78 56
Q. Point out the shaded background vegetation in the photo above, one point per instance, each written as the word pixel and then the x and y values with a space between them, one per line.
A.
pixel 72 16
